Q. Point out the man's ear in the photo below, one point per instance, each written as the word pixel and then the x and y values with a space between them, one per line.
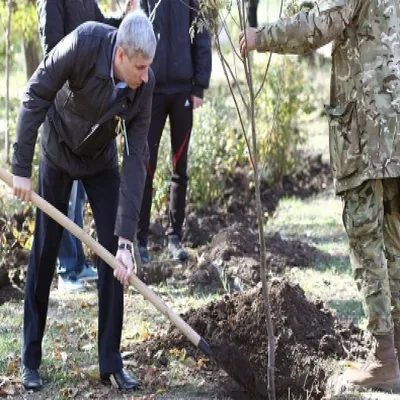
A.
pixel 119 54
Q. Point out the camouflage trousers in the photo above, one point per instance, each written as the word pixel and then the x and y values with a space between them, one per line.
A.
pixel 371 216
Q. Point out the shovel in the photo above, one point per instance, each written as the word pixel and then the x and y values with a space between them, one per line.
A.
pixel 225 353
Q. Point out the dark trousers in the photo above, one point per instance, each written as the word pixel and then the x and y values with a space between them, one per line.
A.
pixel 252 13
pixel 178 107
pixel 102 191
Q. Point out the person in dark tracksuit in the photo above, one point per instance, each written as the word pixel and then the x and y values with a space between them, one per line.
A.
pixel 56 19
pixel 97 81
pixel 182 69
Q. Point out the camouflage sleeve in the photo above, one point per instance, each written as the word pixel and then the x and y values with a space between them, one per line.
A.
pixel 307 30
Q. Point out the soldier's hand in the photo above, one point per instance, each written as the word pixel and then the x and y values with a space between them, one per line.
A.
pixel 22 188
pixel 247 45
pixel 124 256
pixel 196 102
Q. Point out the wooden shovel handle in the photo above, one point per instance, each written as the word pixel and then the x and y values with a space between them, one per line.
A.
pixel 147 293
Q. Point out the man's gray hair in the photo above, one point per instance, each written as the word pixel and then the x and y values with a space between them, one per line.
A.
pixel 136 35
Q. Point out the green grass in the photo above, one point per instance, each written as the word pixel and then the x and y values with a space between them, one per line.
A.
pixel 9 347
pixel 317 221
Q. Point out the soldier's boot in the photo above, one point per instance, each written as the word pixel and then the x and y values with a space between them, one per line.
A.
pixel 381 370
pixel 397 339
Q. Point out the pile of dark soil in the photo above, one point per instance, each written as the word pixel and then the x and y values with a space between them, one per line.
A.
pixel 231 262
pixel 236 249
pixel 306 335
pixel 237 206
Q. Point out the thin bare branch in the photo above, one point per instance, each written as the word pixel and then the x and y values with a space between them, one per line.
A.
pixel 224 27
pixel 265 74
pixel 230 39
pixel 276 110
pixel 234 76
pixel 235 80
pixel 227 32
pixel 234 53
pixel 260 220
pixel 253 152
pixel 7 70
pixel 238 24
pixel 269 57
pixel 218 46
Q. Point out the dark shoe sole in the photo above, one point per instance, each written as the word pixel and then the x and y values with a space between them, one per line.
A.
pixel 107 382
pixel 34 388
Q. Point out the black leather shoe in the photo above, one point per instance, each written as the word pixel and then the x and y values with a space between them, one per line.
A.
pixel 123 378
pixel 31 378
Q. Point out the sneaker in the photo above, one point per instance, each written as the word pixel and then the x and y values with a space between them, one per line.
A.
pixel 144 255
pixel 88 273
pixel 175 249
pixel 60 268
pixel 68 285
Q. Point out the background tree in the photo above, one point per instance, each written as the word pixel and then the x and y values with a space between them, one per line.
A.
pixel 230 17
pixel 31 43
pixel 7 70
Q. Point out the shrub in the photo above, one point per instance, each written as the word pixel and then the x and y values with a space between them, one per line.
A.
pixel 218 146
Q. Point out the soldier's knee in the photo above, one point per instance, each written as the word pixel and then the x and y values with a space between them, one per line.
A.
pixel 363 229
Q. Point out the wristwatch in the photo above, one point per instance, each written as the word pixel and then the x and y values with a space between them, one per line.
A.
pixel 123 246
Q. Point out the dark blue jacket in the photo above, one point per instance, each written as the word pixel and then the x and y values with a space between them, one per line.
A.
pixel 179 65
pixel 57 18
pixel 71 93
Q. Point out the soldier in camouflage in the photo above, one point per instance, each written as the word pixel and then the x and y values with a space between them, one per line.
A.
pixel 364 138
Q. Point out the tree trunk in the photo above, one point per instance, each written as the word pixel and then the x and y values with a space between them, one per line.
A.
pixel 8 61
pixel 31 51
pixel 32 60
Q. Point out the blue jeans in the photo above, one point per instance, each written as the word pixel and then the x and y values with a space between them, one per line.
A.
pixel 71 256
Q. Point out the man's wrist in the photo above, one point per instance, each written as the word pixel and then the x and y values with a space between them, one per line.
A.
pixel 125 246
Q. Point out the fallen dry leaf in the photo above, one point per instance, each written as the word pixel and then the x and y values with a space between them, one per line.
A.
pixel 64 356
pixel 92 371
pixel 87 347
pixel 68 393
pixel 126 354
pixel 84 304
pixel 75 369
pixel 12 367
pixel 348 364
pixel 131 363
pixel 57 353
pixel 178 353
pixel 201 362
pixel 7 391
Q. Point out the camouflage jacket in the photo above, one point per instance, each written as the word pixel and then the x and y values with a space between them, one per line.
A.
pixel 364 122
